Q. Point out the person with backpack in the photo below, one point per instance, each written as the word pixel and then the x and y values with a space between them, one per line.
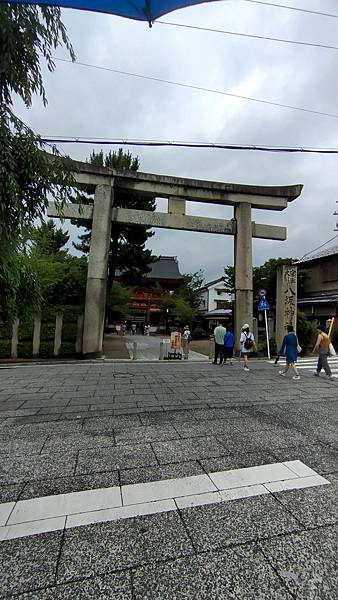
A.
pixel 322 347
pixel 289 348
pixel 247 344
pixel 229 342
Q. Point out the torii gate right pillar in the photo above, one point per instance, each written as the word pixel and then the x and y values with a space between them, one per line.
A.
pixel 243 268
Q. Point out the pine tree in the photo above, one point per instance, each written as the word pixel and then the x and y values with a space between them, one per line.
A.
pixel 128 254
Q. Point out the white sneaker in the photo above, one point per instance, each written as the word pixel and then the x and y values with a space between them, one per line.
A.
pixel 281 373
pixel 296 377
pixel 246 369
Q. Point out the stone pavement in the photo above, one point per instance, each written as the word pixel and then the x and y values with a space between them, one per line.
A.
pixel 148 348
pixel 100 429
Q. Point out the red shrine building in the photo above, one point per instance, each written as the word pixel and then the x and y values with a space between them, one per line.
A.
pixel 145 307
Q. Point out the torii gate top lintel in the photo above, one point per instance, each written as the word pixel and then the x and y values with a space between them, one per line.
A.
pixel 214 192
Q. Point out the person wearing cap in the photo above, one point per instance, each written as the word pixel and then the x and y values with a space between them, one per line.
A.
pixel 247 344
pixel 186 341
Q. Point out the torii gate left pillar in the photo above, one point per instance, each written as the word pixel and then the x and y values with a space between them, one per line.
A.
pixel 95 304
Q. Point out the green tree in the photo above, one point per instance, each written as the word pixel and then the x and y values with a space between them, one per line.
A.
pixel 189 291
pixel 20 292
pixel 48 239
pixel 61 278
pixel 306 332
pixel 118 301
pixel 128 254
pixel 183 311
pixel 27 173
pixel 263 277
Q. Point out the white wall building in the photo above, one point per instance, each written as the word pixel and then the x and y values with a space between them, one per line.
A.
pixel 215 302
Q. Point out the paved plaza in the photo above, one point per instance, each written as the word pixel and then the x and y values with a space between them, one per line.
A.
pixel 132 481
pixel 148 348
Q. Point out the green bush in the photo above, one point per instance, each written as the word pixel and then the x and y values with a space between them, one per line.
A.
pixel 5 348
pixel 306 332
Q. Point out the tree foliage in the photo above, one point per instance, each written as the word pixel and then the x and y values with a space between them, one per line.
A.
pixel 27 173
pixel 184 302
pixel 19 287
pixel 26 33
pixel 61 277
pixel 118 301
pixel 189 291
pixel 128 253
pixel 48 239
pixel 263 277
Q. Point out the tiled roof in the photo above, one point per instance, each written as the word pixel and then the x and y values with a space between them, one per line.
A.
pixel 166 267
pixel 322 254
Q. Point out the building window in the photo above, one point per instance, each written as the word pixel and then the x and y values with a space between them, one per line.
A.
pixel 330 271
pixel 221 304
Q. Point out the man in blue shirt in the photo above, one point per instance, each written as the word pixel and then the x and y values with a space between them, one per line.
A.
pixel 229 342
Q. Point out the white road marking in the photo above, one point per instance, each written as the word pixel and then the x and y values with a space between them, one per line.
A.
pixel 54 513
pixel 310 364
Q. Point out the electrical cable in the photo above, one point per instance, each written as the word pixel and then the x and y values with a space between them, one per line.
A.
pixel 319 247
pixel 303 10
pixel 182 144
pixel 249 35
pixel 198 88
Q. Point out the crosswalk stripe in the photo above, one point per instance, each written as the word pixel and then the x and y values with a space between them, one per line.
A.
pixel 310 364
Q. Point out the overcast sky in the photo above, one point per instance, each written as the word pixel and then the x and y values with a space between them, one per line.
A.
pixel 88 102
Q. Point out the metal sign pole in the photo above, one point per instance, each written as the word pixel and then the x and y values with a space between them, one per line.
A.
pixel 267 334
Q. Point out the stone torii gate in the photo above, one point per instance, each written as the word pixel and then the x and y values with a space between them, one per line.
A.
pixel 103 182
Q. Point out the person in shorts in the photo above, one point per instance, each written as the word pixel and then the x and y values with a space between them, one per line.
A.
pixel 247 344
pixel 289 348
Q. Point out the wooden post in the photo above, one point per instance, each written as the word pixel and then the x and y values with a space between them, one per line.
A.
pixel 36 335
pixel 15 338
pixel 58 334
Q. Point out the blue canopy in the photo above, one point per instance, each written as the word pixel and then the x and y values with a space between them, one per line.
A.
pixel 141 10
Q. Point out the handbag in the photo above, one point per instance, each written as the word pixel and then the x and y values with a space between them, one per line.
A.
pixel 299 348
pixel 332 351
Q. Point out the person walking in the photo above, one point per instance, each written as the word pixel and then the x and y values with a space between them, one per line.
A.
pixel 322 347
pixel 229 342
pixel 186 341
pixel 247 344
pixel 289 348
pixel 219 333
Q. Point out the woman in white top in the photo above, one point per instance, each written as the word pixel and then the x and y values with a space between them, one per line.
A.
pixel 247 344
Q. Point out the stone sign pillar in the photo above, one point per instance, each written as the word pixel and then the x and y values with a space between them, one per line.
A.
pixel 97 272
pixel 243 269
pixel 286 301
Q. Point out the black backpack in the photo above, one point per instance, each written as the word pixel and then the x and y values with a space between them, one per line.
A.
pixel 248 344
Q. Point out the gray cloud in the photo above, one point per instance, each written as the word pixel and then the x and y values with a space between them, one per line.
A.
pixel 88 102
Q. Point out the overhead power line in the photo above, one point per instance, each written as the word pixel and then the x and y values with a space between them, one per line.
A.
pixel 249 35
pixel 182 144
pixel 303 10
pixel 198 88
pixel 319 247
